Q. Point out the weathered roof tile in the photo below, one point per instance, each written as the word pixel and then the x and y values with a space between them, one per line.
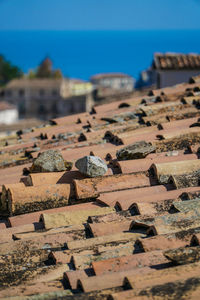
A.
pixel 71 217
pixel 129 262
pixel 30 199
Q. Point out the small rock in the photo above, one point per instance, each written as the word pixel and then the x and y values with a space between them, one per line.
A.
pixel 48 161
pixel 172 153
pixel 134 151
pixel 68 165
pixel 91 166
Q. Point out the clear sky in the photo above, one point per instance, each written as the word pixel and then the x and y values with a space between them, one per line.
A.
pixel 99 14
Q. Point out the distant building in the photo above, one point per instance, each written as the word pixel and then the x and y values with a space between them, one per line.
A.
pixel 109 84
pixel 146 79
pixel 47 98
pixel 170 69
pixel 79 87
pixel 8 113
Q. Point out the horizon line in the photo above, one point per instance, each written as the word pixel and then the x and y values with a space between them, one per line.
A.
pixel 84 30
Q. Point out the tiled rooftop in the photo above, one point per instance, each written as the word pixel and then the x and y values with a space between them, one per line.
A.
pixel 170 61
pixel 133 233
pixel 109 75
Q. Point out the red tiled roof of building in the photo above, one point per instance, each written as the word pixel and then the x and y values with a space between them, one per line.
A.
pixel 123 235
pixel 35 83
pixel 176 61
pixel 6 106
pixel 109 75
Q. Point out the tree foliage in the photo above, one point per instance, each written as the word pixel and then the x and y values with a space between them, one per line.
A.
pixel 57 74
pixel 45 70
pixel 31 74
pixel 8 71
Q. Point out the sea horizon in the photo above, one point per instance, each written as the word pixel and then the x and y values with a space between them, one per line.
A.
pixel 83 53
pixel 106 30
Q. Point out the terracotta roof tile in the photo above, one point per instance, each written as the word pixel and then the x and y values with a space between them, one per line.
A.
pixel 142 165
pixel 113 217
pixel 176 61
pixel 163 276
pixel 152 208
pixel 37 179
pixel 84 260
pixel 129 262
pixel 168 223
pixel 151 198
pixel 109 107
pixel 17 147
pixel 164 170
pixel 53 288
pixel 154 284
pixel 106 281
pixel 88 188
pixel 34 217
pixel 174 133
pixel 72 217
pixel 179 124
pixel 12 174
pixel 33 198
pixel 71 277
pixel 4 194
pixel 160 155
pixel 95 283
pixel 70 119
pixel 7 233
pixel 162 107
pixel 129 195
pixel 183 113
pixel 60 257
pixel 108 229
pixel 53 241
pixel 2 226
pixel 109 239
pixel 166 241
pixel 72 231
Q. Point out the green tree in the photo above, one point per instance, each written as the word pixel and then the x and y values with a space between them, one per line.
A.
pixel 57 74
pixel 31 74
pixel 45 69
pixel 8 71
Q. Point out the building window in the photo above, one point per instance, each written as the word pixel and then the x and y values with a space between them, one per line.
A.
pixel 21 92
pixel 107 82
pixel 54 92
pixel 22 108
pixel 41 109
pixel 54 109
pixel 70 107
pixel 42 92
pixel 9 93
pixel 2 93
pixel 158 81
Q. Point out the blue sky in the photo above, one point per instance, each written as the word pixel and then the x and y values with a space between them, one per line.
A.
pixel 99 14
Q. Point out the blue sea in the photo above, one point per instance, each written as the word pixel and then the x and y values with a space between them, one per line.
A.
pixel 81 54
